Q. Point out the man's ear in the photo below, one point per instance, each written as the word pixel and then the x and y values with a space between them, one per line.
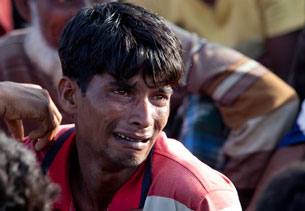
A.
pixel 68 90
pixel 23 7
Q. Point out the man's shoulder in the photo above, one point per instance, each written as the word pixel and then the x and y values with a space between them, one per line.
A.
pixel 178 175
pixel 174 160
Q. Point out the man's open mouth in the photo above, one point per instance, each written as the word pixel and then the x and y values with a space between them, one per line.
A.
pixel 126 138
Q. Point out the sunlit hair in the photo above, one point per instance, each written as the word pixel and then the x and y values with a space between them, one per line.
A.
pixel 22 184
pixel 122 40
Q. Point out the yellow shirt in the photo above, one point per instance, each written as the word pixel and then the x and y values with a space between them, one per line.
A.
pixel 240 24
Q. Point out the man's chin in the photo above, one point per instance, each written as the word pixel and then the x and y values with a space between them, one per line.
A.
pixel 134 162
pixel 129 162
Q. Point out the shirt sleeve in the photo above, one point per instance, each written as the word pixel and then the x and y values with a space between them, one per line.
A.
pixel 252 102
pixel 220 200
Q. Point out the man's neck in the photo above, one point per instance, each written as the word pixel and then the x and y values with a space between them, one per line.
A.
pixel 93 184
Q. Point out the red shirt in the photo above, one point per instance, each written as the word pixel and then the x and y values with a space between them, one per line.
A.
pixel 6 18
pixel 170 179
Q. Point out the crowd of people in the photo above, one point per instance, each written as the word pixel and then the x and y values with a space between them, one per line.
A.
pixel 221 77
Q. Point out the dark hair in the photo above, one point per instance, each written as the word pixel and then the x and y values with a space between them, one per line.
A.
pixel 122 40
pixel 22 183
pixel 285 191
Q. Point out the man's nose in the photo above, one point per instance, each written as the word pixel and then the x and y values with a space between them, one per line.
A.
pixel 142 114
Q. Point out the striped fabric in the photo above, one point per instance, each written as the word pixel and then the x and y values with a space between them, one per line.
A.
pixel 237 82
pixel 233 79
pixel 164 203
pixel 248 107
pixel 170 179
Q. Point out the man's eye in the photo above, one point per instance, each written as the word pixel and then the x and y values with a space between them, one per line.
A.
pixel 161 97
pixel 121 92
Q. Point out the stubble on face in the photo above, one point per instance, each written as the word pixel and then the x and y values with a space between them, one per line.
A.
pixel 127 160
pixel 107 113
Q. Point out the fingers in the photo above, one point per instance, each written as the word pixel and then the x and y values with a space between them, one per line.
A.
pixel 36 86
pixel 44 140
pixel 47 125
pixel 41 143
pixel 48 129
pixel 44 111
pixel 16 128
pixel 55 112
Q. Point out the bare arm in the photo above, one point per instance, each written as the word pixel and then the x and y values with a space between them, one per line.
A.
pixel 28 101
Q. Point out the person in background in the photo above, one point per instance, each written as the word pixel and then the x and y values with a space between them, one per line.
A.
pixel 291 147
pixel 23 186
pixel 29 55
pixel 120 64
pixel 266 31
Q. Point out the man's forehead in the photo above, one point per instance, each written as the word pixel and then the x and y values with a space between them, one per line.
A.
pixel 103 1
pixel 134 81
pixel 86 1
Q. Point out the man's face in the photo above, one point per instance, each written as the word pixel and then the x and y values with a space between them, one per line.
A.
pixel 54 14
pixel 119 121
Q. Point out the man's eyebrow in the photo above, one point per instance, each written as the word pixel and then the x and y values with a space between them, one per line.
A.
pixel 122 84
pixel 167 90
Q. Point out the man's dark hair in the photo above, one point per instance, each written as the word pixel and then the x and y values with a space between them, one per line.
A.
pixel 122 40
pixel 286 191
pixel 23 186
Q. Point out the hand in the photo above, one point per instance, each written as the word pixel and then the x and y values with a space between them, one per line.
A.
pixel 28 101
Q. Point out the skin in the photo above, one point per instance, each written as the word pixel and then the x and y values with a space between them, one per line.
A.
pixel 13 111
pixel 60 12
pixel 109 108
pixel 54 14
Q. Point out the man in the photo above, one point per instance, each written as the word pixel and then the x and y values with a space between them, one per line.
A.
pixel 120 64
pixel 248 96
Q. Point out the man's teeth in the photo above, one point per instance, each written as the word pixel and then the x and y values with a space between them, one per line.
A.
pixel 125 137
pixel 129 139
